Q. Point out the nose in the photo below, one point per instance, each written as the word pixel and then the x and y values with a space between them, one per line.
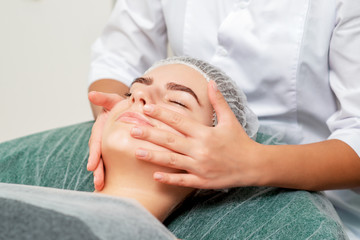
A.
pixel 141 96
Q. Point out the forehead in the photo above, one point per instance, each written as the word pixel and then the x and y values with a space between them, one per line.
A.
pixel 178 73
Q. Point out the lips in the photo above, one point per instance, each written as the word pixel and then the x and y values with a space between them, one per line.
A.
pixel 134 118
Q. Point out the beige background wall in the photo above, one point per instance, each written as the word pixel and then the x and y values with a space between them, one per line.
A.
pixel 44 62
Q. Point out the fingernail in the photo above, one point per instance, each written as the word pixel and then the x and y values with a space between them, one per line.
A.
pixel 141 153
pixel 92 93
pixel 148 108
pixel 95 178
pixel 136 132
pixel 158 176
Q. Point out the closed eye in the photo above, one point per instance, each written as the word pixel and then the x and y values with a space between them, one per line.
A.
pixel 178 103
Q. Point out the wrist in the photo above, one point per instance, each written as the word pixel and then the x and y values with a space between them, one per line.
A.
pixel 264 167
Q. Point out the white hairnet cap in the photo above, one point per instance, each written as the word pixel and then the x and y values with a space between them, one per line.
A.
pixel 233 95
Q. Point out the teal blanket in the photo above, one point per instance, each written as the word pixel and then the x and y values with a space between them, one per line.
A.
pixel 39 213
pixel 58 159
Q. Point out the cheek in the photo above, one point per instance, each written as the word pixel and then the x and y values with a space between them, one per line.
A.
pixel 203 115
pixel 119 108
pixel 117 140
pixel 207 116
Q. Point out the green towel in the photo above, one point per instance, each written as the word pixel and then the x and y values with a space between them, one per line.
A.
pixel 58 158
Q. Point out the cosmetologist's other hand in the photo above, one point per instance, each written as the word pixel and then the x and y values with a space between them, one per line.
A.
pixel 95 162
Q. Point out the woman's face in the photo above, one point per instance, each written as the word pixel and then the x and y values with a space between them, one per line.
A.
pixel 176 87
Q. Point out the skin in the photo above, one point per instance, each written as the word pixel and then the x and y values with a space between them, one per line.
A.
pixel 224 156
pixel 99 102
pixel 237 160
pixel 126 176
pixel 104 94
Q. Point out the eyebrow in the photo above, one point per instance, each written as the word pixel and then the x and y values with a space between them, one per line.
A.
pixel 179 87
pixel 143 80
pixel 169 86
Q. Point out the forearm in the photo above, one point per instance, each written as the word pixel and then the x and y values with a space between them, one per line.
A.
pixel 330 164
pixel 107 86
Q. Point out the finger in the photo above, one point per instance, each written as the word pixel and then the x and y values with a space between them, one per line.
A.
pixel 94 153
pixel 221 107
pixel 99 176
pixel 175 120
pixel 166 159
pixel 179 179
pixel 95 142
pixel 163 138
pixel 106 100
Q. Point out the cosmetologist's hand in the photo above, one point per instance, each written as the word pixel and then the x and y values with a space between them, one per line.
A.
pixel 95 163
pixel 213 157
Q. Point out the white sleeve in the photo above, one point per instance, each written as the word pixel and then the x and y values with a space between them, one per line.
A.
pixel 133 39
pixel 344 60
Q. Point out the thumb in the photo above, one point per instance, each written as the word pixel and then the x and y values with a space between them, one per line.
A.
pixel 106 100
pixel 223 111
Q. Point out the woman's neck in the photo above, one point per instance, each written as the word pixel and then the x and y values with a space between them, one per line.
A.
pixel 132 178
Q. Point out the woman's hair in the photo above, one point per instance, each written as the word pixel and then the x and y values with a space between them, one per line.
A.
pixel 233 95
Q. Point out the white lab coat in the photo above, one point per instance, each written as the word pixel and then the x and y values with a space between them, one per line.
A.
pixel 298 61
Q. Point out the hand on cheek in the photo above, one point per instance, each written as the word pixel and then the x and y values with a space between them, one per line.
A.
pixel 95 164
pixel 212 157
